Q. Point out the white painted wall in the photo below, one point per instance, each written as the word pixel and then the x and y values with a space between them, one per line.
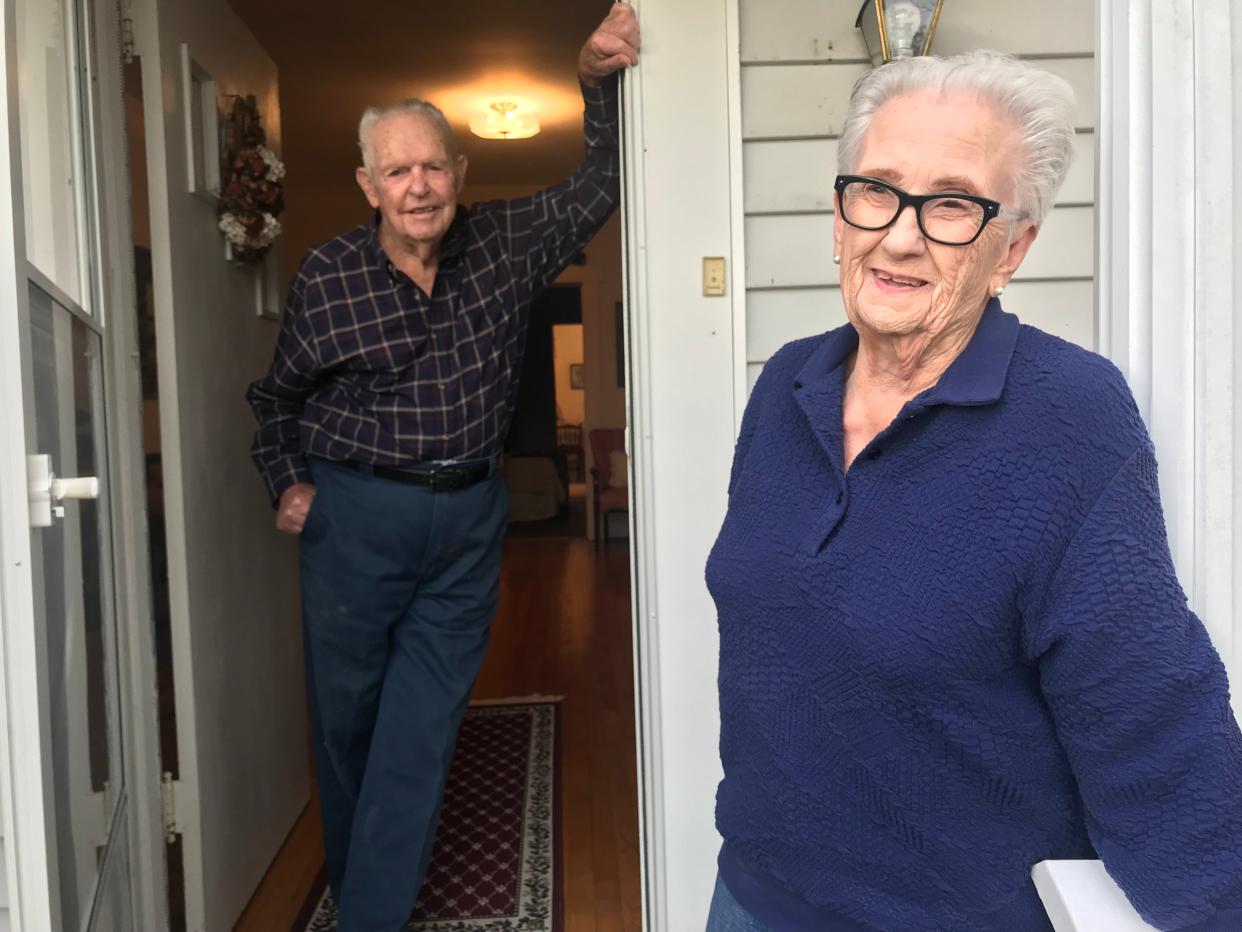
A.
pixel 241 712
pixel 799 59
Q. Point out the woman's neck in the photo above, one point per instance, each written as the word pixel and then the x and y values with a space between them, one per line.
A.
pixel 887 370
pixel 903 365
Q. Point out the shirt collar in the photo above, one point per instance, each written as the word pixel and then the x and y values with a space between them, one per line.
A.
pixel 976 377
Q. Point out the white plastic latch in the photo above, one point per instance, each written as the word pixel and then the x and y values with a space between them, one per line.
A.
pixel 47 492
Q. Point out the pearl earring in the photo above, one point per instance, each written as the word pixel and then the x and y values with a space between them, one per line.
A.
pixel 998 292
pixel 836 259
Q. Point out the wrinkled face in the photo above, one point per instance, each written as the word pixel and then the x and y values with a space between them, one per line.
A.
pixel 412 182
pixel 894 281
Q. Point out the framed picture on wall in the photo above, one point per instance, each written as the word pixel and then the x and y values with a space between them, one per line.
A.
pixel 575 375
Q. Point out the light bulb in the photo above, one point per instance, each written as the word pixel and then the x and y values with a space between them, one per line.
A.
pixel 504 122
pixel 904 20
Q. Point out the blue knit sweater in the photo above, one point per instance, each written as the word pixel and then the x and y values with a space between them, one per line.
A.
pixel 965 656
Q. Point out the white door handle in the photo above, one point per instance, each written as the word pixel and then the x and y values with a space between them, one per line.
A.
pixel 46 492
pixel 86 487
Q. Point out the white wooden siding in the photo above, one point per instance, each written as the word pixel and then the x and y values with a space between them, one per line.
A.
pixel 800 59
pixel 789 176
pixel 792 250
pixel 810 100
pixel 1063 308
pixel 815 30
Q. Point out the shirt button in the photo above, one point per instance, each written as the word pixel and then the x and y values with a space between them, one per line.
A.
pixel 840 497
pixel 441 386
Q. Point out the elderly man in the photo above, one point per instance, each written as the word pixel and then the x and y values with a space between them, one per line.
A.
pixel 379 425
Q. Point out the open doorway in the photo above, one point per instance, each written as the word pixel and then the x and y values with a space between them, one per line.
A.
pixel 543 464
pixel 563 629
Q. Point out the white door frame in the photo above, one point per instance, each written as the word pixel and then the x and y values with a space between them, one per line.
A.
pixel 1169 246
pixel 678 182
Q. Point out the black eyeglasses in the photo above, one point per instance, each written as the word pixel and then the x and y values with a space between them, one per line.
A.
pixel 949 219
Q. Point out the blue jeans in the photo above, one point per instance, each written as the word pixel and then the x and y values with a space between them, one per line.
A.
pixel 727 915
pixel 399 587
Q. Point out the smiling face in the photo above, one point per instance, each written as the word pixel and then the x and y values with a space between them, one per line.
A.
pixel 896 282
pixel 412 182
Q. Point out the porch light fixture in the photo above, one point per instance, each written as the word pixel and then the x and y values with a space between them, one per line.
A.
pixel 504 121
pixel 898 28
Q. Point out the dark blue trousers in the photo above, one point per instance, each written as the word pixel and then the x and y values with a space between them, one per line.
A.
pixel 399 588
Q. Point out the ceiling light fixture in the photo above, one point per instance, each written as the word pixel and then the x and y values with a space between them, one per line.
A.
pixel 503 121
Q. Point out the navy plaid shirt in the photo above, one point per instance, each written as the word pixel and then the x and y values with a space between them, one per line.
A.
pixel 371 369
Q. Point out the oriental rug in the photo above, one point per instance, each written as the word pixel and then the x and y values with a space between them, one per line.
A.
pixel 496 863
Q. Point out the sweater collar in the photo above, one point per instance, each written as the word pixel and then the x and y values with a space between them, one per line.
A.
pixel 976 377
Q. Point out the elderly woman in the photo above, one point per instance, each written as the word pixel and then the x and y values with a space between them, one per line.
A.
pixel 952 641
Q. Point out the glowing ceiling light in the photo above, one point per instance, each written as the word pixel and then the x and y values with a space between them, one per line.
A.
pixel 505 122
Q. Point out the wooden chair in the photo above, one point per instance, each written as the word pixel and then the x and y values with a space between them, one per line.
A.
pixel 569 447
pixel 612 494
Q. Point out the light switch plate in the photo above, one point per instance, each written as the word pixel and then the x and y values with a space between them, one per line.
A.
pixel 713 276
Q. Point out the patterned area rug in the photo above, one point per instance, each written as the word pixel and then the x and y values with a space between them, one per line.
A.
pixel 496 864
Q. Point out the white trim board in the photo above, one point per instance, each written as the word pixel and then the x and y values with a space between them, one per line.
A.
pixel 1168 276
pixel 682 422
pixel 1079 896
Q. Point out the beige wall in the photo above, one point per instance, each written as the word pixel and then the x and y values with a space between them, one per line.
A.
pixel 567 352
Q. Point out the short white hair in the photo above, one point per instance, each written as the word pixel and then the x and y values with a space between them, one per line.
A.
pixel 372 116
pixel 1041 103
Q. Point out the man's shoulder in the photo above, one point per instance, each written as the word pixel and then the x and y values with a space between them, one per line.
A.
pixel 333 255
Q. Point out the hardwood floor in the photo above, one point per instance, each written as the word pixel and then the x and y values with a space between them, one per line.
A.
pixel 563 629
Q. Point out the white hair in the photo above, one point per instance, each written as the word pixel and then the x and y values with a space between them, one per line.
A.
pixel 372 116
pixel 1041 104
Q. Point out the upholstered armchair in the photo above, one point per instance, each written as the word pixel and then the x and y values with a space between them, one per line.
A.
pixel 609 477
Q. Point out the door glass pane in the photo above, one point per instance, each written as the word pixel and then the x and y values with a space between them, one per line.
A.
pixel 51 130
pixel 80 635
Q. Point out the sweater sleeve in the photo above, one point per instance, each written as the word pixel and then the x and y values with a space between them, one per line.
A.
pixel 1141 705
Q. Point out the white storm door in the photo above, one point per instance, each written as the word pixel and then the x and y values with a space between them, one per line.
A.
pixel 67 845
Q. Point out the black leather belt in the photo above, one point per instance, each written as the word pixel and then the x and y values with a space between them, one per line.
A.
pixel 439 477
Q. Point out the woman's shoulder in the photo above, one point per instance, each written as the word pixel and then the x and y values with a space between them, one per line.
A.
pixel 1081 389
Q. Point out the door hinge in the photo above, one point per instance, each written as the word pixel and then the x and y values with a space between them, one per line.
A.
pixel 168 787
pixel 127 32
